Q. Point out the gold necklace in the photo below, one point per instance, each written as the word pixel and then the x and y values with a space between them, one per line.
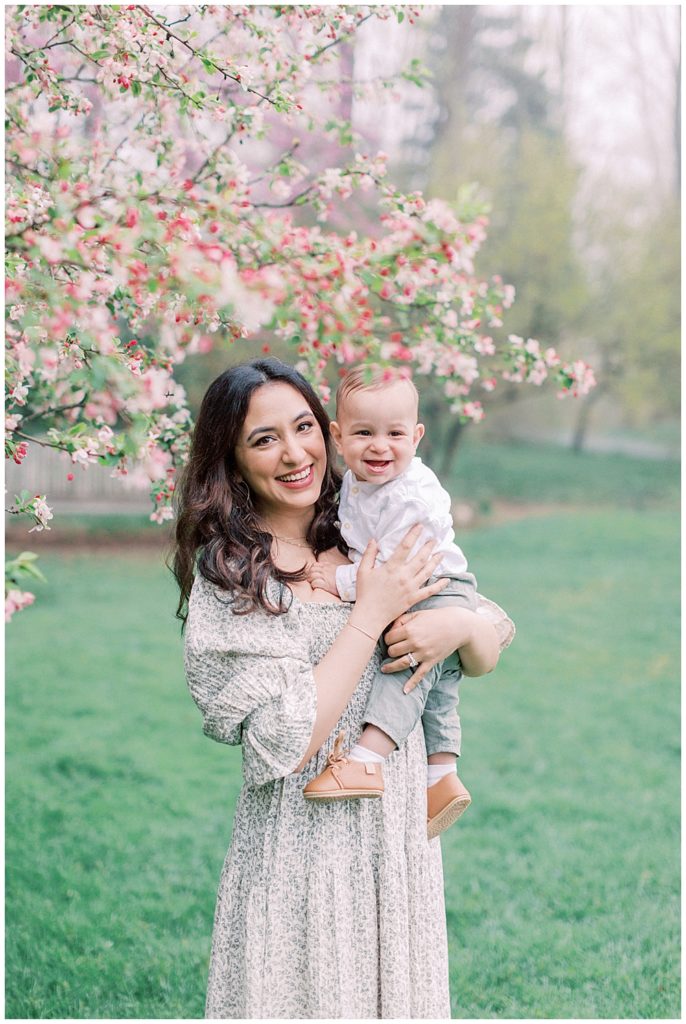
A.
pixel 291 540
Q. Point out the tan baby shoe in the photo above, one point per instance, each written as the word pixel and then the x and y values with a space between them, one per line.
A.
pixel 445 802
pixel 343 779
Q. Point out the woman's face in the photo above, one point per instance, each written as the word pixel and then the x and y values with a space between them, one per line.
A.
pixel 281 453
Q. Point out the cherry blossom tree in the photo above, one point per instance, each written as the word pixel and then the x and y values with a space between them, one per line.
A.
pixel 158 204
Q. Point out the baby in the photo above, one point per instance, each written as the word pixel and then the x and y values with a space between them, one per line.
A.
pixel 385 491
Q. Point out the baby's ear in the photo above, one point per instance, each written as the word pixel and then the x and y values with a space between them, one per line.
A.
pixel 418 434
pixel 336 435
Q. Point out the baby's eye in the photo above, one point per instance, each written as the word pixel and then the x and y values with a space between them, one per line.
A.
pixel 397 433
pixel 362 433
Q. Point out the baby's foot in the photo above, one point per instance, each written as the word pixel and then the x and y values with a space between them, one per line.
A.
pixel 446 800
pixel 343 779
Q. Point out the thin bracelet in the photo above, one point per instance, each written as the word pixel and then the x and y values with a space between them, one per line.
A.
pixel 374 638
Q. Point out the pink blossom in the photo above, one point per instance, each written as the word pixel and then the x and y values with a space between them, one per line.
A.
pixel 473 411
pixel 16 600
pixel 162 514
pixel 50 248
pixel 19 394
pixel 484 345
pixel 20 452
pixel 41 512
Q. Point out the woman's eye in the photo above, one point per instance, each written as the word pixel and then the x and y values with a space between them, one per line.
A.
pixel 260 443
pixel 305 426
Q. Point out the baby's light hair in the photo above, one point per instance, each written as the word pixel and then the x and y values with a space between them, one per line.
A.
pixel 372 377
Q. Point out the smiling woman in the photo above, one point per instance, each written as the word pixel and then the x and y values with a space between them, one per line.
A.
pixel 259 422
pixel 285 461
pixel 323 911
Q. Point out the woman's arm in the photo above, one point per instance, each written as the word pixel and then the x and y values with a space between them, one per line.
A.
pixel 382 593
pixel 433 634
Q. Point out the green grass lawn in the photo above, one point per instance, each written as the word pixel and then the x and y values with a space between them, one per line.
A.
pixel 485 471
pixel 561 879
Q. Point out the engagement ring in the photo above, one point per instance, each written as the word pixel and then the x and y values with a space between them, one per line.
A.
pixel 412 660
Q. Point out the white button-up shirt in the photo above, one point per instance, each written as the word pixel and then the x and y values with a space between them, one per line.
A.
pixel 385 512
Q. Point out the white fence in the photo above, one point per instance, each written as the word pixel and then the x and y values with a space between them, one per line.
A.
pixel 44 471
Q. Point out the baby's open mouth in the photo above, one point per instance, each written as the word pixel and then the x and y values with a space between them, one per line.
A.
pixel 377 465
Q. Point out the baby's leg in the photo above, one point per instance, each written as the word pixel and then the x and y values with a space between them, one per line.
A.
pixel 441 722
pixel 447 798
pixel 380 735
pixel 392 714
pixel 390 717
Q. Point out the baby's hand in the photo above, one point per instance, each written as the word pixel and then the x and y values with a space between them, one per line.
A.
pixel 322 577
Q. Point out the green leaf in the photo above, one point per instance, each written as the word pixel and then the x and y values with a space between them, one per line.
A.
pixel 136 87
pixel 26 556
pixel 33 570
pixel 400 15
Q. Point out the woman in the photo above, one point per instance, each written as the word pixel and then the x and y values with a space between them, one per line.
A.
pixel 324 910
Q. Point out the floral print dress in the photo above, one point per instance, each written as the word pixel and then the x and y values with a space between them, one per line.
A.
pixel 324 910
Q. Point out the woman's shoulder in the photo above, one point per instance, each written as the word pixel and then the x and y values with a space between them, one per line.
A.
pixel 215 613
pixel 204 591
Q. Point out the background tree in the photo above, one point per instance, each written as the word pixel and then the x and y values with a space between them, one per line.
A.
pixel 158 205
pixel 499 123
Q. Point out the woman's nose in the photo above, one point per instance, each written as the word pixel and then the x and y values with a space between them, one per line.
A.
pixel 293 450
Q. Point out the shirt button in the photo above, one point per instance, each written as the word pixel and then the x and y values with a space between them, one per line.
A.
pixel 356 490
pixel 346 526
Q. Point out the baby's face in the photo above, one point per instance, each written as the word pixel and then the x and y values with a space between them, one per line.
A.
pixel 377 431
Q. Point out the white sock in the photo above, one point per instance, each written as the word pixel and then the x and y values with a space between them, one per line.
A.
pixel 436 772
pixel 359 753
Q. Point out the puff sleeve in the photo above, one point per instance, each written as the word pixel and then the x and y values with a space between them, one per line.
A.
pixel 251 677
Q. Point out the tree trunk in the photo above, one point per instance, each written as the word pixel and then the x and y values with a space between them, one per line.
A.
pixel 451 442
pixel 458 24
pixel 583 419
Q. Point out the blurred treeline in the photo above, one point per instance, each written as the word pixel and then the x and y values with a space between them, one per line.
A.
pixel 593 251
pixel 596 270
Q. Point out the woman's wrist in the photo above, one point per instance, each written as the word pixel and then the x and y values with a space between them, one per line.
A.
pixel 367 624
pixel 363 631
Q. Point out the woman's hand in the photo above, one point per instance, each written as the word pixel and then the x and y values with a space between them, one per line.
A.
pixel 433 634
pixel 385 591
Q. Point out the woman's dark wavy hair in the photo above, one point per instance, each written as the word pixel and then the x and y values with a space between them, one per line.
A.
pixel 218 532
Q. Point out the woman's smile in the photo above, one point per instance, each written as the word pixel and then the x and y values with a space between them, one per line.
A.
pixel 301 478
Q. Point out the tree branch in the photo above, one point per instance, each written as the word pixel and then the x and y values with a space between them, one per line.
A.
pixel 340 39
pixel 40 413
pixel 42 443
pixel 183 42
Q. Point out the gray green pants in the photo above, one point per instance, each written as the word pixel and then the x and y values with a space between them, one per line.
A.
pixel 435 698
